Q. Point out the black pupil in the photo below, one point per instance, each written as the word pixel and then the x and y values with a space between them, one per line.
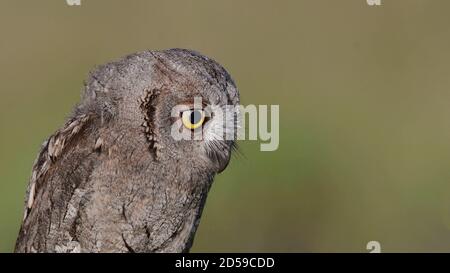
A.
pixel 195 117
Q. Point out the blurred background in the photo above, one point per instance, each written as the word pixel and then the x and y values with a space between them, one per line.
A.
pixel 364 95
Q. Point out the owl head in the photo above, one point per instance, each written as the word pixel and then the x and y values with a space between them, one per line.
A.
pixel 180 105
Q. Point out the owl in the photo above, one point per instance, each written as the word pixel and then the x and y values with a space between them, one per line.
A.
pixel 131 168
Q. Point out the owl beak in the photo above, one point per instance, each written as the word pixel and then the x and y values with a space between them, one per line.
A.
pixel 222 159
pixel 223 165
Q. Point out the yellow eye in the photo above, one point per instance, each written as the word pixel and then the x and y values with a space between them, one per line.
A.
pixel 192 119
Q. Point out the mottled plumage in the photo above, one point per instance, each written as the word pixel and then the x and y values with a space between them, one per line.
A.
pixel 113 179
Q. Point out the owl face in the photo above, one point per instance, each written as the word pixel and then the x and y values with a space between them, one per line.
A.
pixel 193 112
pixel 196 126
pixel 181 103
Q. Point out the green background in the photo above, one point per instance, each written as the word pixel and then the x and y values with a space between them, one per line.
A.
pixel 364 98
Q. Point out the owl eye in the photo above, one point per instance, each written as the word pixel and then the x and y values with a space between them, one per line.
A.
pixel 192 119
